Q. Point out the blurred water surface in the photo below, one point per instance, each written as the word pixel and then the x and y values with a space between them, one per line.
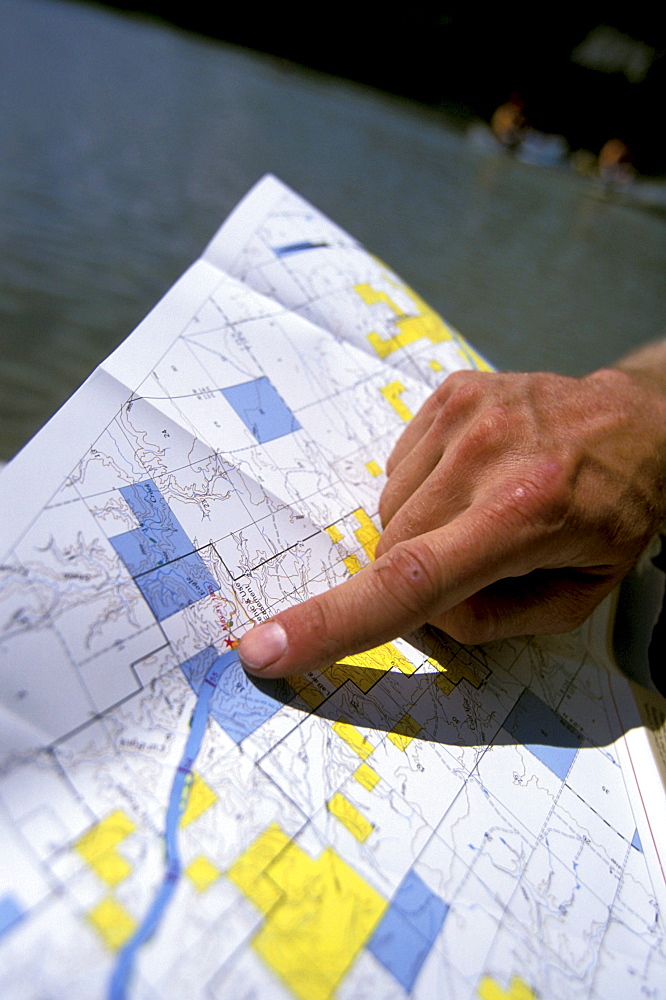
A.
pixel 123 145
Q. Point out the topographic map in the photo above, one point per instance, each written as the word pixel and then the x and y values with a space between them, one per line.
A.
pixel 422 820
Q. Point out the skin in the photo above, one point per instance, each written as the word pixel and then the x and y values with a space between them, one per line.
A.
pixel 514 504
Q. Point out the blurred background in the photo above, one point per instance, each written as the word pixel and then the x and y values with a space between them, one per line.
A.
pixel 511 169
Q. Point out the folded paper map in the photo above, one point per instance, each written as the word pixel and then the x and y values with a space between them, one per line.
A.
pixel 422 820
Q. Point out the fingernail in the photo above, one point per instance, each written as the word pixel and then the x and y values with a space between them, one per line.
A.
pixel 262 646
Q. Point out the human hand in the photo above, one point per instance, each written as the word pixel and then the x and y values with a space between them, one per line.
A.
pixel 514 504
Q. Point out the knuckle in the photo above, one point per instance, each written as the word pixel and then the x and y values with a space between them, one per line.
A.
pixel 493 426
pixel 406 577
pixel 460 391
pixel 463 377
pixel 541 497
pixel 489 434
pixel 467 393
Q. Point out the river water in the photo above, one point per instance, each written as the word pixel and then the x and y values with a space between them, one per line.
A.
pixel 123 145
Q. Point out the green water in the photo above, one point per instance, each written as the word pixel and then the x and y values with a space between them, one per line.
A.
pixel 123 145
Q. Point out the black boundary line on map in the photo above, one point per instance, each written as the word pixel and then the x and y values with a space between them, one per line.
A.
pixel 252 569
pixel 277 555
pixel 59 887
pixel 100 716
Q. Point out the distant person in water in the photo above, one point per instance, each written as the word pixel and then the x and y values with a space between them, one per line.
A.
pixel 615 162
pixel 508 121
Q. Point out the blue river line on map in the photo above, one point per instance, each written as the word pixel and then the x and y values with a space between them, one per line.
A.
pixel 177 803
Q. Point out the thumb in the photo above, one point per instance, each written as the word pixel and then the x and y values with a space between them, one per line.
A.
pixel 414 582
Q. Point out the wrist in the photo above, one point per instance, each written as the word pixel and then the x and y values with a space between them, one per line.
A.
pixel 646 366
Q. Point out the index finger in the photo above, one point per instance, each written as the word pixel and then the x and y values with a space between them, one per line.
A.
pixel 415 581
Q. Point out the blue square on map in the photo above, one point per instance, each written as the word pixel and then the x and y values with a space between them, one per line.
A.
pixel 262 409
pixel 408 930
pixel 159 539
pixel 241 704
pixel 196 668
pixel 10 914
pixel 542 732
pixel 399 947
pixel 156 519
pixel 422 907
pixel 176 586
